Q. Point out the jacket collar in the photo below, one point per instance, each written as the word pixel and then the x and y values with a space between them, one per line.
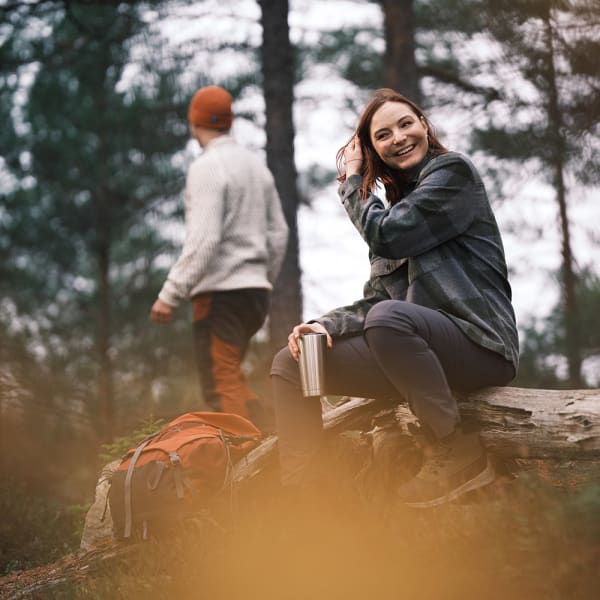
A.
pixel 408 179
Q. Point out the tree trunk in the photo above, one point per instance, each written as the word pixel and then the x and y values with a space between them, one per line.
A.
pixel 558 152
pixel 278 83
pixel 104 330
pixel 400 66
pixel 103 217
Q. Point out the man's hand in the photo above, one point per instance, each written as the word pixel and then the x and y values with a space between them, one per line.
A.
pixel 161 312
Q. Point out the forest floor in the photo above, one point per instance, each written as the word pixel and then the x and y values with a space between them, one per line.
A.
pixel 521 538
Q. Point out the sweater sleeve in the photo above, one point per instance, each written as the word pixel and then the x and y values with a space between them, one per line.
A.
pixel 438 209
pixel 277 232
pixel 205 207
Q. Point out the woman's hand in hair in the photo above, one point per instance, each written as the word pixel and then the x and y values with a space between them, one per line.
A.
pixel 305 328
pixel 353 157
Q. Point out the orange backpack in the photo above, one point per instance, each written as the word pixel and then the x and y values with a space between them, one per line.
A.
pixel 177 470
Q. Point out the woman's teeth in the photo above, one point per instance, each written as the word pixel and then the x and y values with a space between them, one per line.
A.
pixel 405 151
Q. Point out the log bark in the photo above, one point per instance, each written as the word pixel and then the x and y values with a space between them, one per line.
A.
pixel 533 423
pixel 514 422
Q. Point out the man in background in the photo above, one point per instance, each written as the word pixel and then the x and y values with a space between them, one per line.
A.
pixel 235 240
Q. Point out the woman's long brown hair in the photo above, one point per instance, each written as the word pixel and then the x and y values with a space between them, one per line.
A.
pixel 373 168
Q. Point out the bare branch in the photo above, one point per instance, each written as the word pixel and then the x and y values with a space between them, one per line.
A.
pixel 444 76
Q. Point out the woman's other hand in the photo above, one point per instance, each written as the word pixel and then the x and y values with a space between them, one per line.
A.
pixel 305 328
pixel 353 157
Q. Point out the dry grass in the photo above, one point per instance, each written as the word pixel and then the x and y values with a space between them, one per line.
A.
pixel 518 539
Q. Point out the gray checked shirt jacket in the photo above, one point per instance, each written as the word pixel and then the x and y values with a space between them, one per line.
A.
pixel 438 247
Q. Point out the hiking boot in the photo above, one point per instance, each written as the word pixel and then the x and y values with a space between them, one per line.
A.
pixel 451 467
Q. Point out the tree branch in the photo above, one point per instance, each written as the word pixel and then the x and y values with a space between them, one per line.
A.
pixel 445 76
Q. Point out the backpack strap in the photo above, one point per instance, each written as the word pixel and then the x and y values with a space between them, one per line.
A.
pixel 127 485
pixel 229 463
pixel 178 476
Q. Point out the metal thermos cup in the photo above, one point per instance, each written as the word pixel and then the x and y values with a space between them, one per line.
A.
pixel 312 358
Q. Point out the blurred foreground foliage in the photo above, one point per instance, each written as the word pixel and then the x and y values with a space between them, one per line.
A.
pixel 35 528
pixel 39 524
pixel 524 539
pixel 49 465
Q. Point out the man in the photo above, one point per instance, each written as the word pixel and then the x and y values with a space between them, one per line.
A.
pixel 236 236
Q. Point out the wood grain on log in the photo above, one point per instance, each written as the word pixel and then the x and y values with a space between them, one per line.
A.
pixel 534 423
pixel 514 422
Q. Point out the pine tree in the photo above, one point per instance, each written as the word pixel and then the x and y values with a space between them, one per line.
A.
pixel 93 179
pixel 550 43
pixel 546 339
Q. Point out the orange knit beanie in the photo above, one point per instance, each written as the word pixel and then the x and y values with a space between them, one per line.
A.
pixel 211 108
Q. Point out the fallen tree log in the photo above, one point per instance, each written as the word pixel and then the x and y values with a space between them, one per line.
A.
pixel 514 422
pixel 533 423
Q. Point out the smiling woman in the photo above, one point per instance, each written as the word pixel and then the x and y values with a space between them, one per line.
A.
pixel 388 128
pixel 436 317
pixel 399 136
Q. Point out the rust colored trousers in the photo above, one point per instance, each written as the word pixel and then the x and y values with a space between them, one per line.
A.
pixel 224 323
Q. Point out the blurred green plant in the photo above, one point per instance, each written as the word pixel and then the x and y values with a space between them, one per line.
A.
pixel 35 529
pixel 545 340
pixel 119 445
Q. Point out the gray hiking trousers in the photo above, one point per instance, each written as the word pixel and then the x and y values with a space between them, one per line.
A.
pixel 407 352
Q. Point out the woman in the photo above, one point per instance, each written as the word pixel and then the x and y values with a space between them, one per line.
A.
pixel 436 316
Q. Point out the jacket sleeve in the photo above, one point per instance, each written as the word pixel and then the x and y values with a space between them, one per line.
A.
pixel 437 210
pixel 277 232
pixel 204 219
pixel 349 320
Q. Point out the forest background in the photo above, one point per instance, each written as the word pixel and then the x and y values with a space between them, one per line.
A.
pixel 93 151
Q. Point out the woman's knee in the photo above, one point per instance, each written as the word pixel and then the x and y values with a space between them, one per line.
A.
pixel 284 365
pixel 396 314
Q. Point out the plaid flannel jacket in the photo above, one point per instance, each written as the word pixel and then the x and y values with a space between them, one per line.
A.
pixel 439 247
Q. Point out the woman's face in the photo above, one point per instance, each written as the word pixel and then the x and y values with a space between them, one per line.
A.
pixel 398 135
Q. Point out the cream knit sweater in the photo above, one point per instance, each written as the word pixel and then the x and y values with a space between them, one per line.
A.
pixel 236 233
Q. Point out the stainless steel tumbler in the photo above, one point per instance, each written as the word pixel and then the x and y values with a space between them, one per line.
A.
pixel 312 358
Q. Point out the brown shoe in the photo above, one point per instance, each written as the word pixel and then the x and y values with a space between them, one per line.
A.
pixel 451 467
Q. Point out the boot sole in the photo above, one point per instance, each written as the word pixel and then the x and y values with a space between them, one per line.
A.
pixel 484 478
